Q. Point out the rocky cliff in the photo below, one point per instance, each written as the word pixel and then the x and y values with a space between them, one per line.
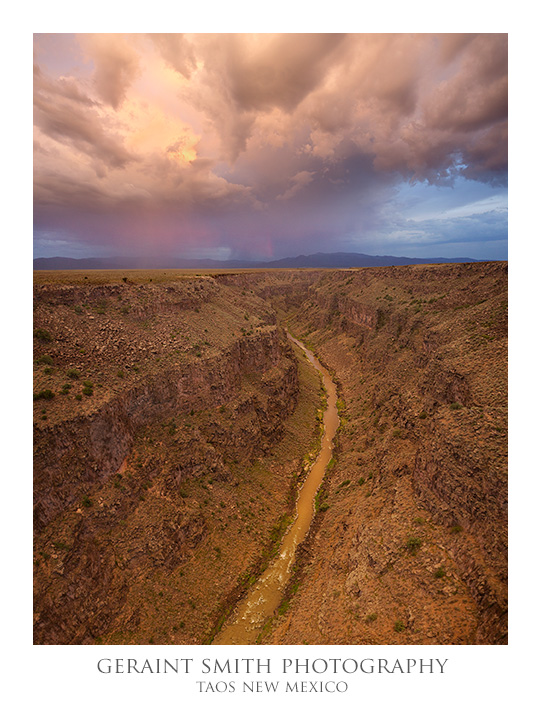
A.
pixel 412 545
pixel 124 433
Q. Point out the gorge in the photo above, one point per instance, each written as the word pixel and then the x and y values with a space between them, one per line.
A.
pixel 175 422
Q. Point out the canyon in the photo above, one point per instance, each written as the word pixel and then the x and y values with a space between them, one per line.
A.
pixel 175 422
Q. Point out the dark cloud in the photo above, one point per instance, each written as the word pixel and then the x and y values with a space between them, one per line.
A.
pixel 486 157
pixel 418 105
pixel 451 45
pixel 267 71
pixel 476 95
pixel 63 88
pixel 266 144
pixel 177 51
pixel 246 75
pixel 64 113
pixel 116 64
pixel 58 190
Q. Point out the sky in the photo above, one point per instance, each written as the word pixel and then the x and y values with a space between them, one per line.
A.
pixel 260 146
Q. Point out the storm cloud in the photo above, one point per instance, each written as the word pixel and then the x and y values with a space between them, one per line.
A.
pixel 263 145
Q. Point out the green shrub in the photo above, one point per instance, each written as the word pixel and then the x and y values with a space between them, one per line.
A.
pixel 371 617
pixel 61 545
pixel 283 607
pixel 422 415
pixel 456 405
pixel 86 501
pixel 45 359
pixel 42 335
pixel 361 481
pixel 88 388
pixel 44 395
pixel 455 529
pixel 73 374
pixel 439 573
pixel 413 544
pixel 399 626
pixel 319 502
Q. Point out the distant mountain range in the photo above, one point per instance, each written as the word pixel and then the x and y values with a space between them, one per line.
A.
pixel 336 260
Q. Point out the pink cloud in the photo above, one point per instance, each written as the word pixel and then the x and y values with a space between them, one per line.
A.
pixel 234 136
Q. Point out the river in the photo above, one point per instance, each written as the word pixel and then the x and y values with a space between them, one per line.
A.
pixel 266 594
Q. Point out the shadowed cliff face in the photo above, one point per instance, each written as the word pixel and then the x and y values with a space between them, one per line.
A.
pixel 173 402
pixel 91 447
pixel 169 456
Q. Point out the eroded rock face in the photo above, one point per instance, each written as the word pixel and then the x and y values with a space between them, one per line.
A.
pixel 72 455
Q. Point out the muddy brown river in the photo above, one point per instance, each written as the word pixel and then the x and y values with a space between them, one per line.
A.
pixel 266 594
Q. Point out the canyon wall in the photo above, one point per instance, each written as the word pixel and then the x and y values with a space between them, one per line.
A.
pixel 412 545
pixel 216 404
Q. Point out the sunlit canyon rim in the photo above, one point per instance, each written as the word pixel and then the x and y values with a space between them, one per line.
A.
pixel 175 423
